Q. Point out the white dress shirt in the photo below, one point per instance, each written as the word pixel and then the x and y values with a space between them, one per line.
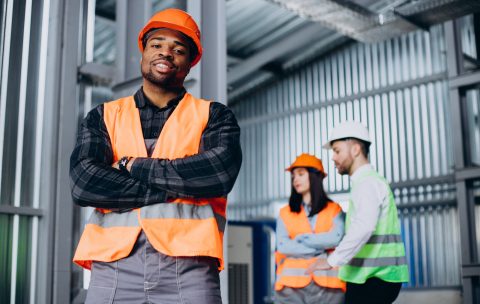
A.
pixel 369 198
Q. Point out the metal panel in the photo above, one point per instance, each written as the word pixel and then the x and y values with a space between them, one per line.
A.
pixel 105 41
pixel 240 267
pixel 399 89
pixel 19 151
pixel 7 18
pixel 473 124
pixel 5 256
pixel 22 24
pixel 469 47
pixel 130 16
pixel 158 5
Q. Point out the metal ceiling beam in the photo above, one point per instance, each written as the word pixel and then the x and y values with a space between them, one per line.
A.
pixel 322 46
pixel 363 24
pixel 260 77
pixel 303 37
pixel 232 59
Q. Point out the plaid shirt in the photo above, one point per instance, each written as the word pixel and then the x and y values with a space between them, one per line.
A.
pixel 210 173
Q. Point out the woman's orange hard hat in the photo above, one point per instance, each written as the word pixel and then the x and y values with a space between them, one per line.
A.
pixel 307 161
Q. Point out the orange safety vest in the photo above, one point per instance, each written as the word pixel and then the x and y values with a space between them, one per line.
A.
pixel 181 227
pixel 291 271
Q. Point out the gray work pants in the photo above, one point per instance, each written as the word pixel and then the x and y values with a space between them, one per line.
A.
pixel 147 276
pixel 310 294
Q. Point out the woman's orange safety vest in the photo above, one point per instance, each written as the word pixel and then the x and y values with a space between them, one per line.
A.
pixel 181 227
pixel 291 271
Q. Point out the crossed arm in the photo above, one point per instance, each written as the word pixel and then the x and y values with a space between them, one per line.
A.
pixel 309 244
pixel 211 173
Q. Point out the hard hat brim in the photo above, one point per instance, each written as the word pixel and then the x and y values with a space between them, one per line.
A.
pixel 328 144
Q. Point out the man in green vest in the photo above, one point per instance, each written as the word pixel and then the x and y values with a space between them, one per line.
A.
pixel 371 255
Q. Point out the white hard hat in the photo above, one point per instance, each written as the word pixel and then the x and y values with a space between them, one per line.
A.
pixel 348 129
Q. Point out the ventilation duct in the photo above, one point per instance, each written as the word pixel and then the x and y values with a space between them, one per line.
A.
pixel 398 17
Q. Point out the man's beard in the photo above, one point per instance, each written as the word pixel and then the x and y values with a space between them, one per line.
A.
pixel 341 170
pixel 168 81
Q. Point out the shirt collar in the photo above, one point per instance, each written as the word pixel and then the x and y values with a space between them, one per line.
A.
pixel 360 170
pixel 141 100
pixel 307 208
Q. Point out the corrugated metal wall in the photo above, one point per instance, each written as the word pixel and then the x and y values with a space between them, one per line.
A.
pixel 399 89
pixel 473 119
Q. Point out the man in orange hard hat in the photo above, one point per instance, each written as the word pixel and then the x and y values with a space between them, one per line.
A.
pixel 157 167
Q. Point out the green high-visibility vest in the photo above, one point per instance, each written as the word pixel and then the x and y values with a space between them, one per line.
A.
pixel 383 256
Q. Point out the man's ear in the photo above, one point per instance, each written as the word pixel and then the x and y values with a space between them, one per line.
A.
pixel 355 148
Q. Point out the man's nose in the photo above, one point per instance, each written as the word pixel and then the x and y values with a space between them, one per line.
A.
pixel 166 53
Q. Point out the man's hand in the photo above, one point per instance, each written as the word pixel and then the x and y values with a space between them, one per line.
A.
pixel 115 165
pixel 128 167
pixel 130 163
pixel 319 264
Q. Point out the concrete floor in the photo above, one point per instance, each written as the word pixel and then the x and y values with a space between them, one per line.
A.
pixel 430 296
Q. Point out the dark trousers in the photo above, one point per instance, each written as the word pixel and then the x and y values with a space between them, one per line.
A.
pixel 373 291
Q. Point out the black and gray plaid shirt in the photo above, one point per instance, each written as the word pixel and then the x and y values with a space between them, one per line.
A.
pixel 211 173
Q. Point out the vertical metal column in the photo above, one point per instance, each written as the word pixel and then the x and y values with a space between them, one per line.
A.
pixel 55 243
pixel 213 80
pixel 193 82
pixel 131 16
pixel 214 60
pixel 466 211
pixel 41 236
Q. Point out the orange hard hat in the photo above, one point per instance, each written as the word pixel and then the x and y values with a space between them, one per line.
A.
pixel 177 20
pixel 307 161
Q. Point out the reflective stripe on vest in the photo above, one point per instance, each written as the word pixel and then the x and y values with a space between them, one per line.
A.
pixel 378 262
pixel 300 272
pixel 181 227
pixel 385 239
pixel 111 219
pixel 176 210
pixel 383 255
pixel 291 271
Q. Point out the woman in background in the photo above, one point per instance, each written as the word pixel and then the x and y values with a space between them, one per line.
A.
pixel 309 227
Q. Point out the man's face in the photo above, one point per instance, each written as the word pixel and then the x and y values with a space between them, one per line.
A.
pixel 342 156
pixel 166 59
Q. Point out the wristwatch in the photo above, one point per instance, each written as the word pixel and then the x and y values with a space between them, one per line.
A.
pixel 122 163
